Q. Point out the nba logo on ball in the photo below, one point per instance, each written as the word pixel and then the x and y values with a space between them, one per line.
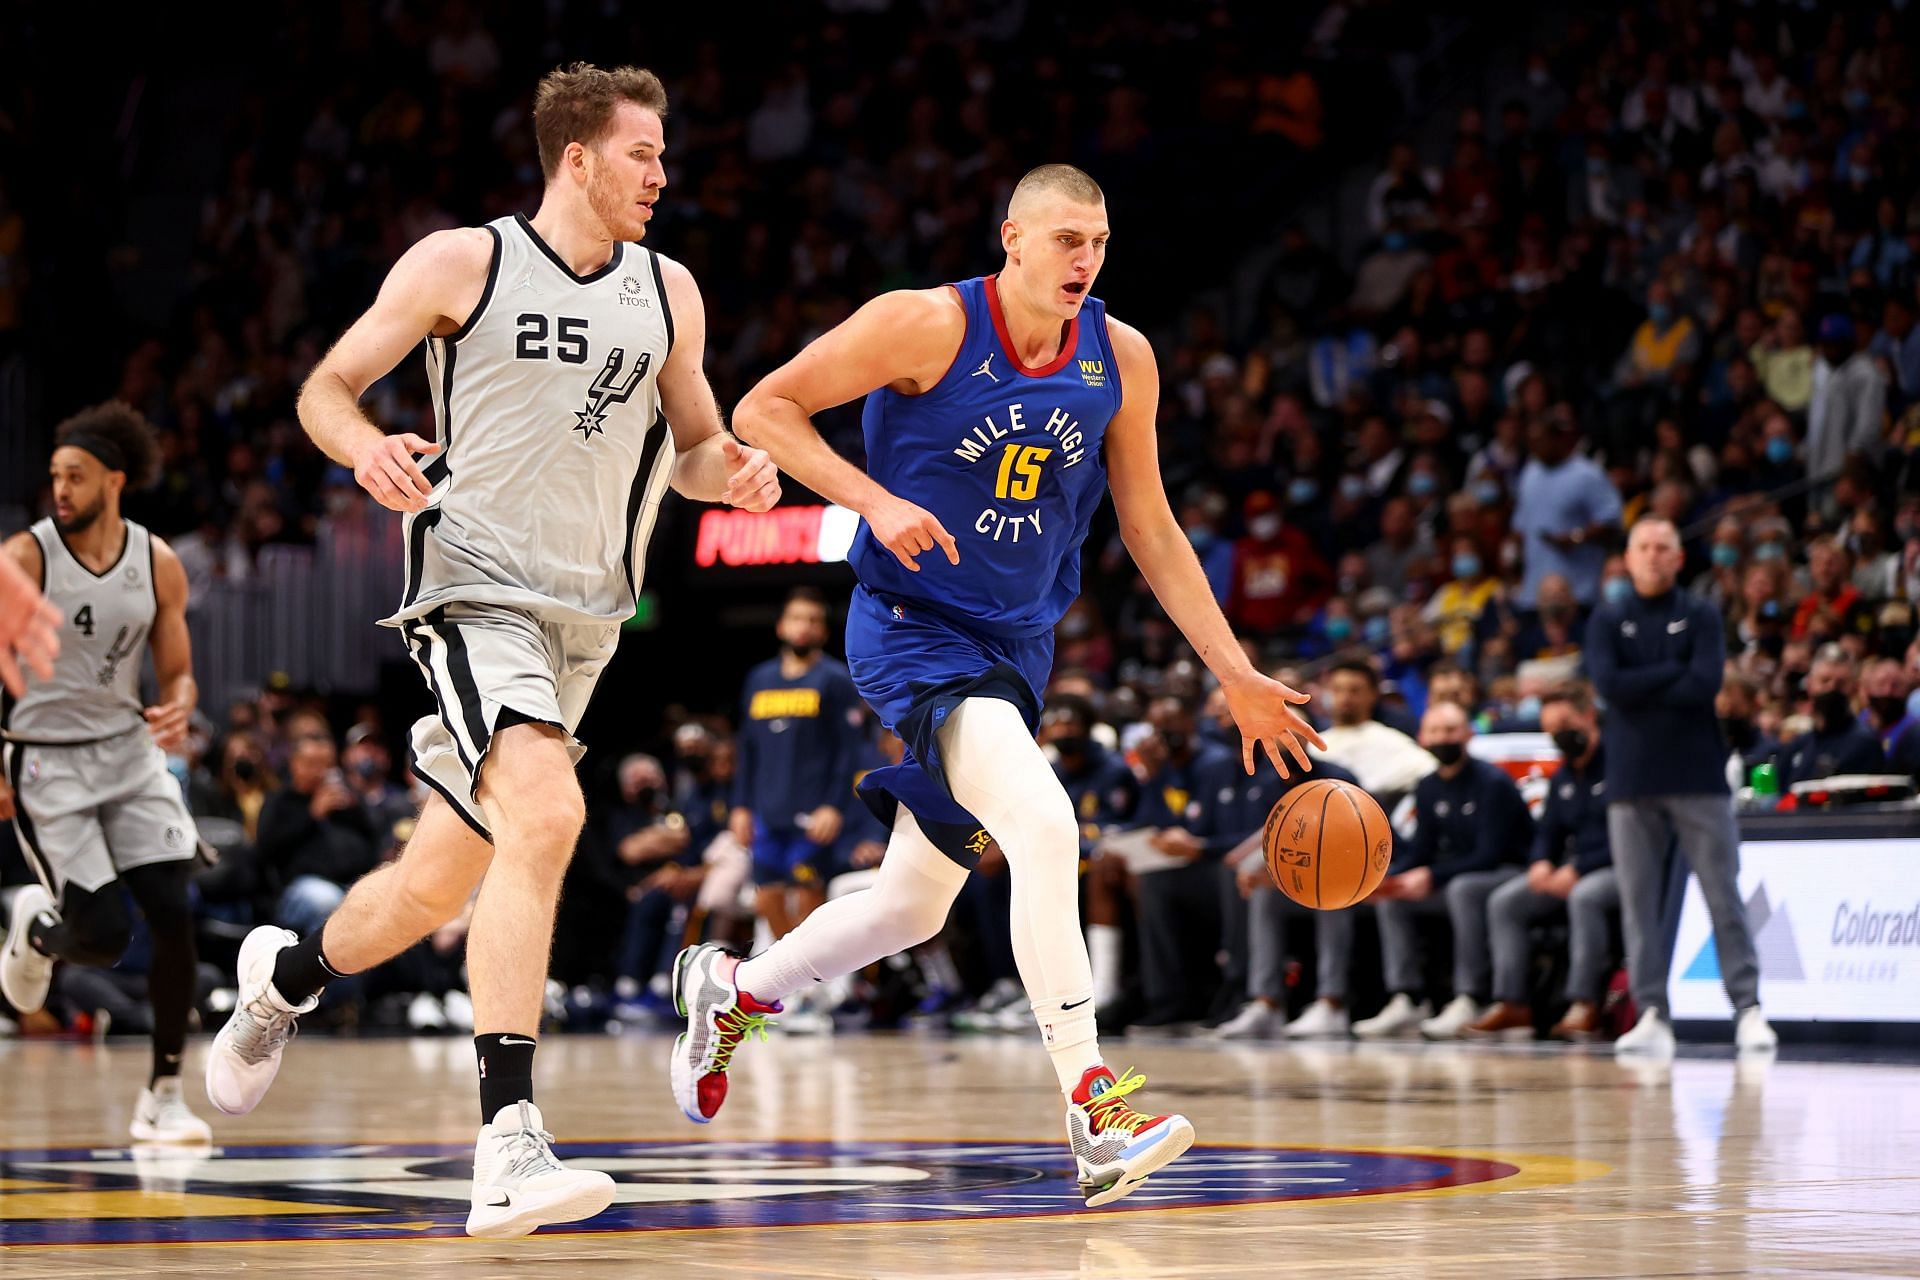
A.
pixel 1327 844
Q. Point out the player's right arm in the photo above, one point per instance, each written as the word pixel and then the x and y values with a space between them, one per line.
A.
pixel 905 340
pixel 432 290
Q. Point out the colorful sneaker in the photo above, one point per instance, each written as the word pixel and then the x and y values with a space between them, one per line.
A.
pixel 1115 1146
pixel 519 1185
pixel 25 974
pixel 719 1016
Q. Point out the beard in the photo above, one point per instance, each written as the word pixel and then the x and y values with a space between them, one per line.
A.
pixel 616 215
pixel 83 518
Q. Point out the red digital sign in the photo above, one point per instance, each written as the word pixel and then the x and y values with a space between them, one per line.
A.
pixel 782 536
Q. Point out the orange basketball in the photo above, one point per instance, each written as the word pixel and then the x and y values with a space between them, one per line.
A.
pixel 1328 844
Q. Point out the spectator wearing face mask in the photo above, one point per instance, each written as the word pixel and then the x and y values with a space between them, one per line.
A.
pixel 1737 706
pixel 1279 579
pixel 1889 692
pixel 1461 599
pixel 1838 742
pixel 1571 874
pixel 1831 570
pixel 1473 831
pixel 369 768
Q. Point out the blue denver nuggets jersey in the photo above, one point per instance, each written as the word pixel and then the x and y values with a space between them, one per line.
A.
pixel 1008 459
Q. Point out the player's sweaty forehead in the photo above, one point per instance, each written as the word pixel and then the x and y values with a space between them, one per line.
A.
pixel 1056 213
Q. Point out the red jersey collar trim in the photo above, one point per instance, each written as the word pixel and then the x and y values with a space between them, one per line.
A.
pixel 1067 347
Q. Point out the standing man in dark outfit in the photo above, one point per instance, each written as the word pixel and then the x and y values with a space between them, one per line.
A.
pixel 1473 831
pixel 1572 871
pixel 1656 657
pixel 799 745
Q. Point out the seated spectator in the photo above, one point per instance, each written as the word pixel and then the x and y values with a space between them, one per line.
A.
pixel 1571 874
pixel 1385 761
pixel 1784 362
pixel 1473 833
pixel 1833 593
pixel 1838 743
pixel 643 854
pixel 1239 814
pixel 1457 605
pixel 1553 630
pixel 1738 707
pixel 369 771
pixel 1666 342
pixel 1180 905
pixel 1279 579
pixel 1888 690
pixel 315 839
pixel 1104 794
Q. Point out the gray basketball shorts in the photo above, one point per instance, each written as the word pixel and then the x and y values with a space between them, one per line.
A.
pixel 486 661
pixel 85 814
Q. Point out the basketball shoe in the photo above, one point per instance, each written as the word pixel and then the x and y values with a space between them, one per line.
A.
pixel 719 1016
pixel 1115 1146
pixel 519 1184
pixel 25 974
pixel 161 1115
pixel 246 1054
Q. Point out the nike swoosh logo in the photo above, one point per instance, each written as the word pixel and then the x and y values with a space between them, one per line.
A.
pixel 1075 1005
pixel 511 1040
pixel 504 1202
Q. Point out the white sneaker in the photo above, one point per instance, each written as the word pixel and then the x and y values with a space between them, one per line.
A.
pixel 1322 1020
pixel 1114 1146
pixel 25 974
pixel 1753 1034
pixel 1016 1015
pixel 1650 1037
pixel 246 1053
pixel 719 1017
pixel 458 1006
pixel 1257 1021
pixel 161 1115
pixel 1452 1020
pixel 425 1014
pixel 519 1184
pixel 1401 1017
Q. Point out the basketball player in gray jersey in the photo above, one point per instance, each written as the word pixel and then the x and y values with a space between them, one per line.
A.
pixel 86 781
pixel 565 361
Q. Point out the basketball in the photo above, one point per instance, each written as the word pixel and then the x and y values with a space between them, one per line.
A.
pixel 1328 844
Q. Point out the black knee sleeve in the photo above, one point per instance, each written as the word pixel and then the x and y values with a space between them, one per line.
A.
pixel 94 928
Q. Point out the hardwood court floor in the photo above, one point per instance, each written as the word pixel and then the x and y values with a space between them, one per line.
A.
pixel 924 1156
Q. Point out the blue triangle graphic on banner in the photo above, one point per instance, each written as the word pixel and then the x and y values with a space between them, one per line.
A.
pixel 1706 964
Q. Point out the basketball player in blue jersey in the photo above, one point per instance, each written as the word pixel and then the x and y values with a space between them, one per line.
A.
pixel 999 411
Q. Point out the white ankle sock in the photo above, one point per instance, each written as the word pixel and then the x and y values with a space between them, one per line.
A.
pixel 1070 1036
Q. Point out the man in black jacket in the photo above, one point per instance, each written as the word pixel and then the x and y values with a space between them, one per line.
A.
pixel 1473 832
pixel 1572 872
pixel 1838 743
pixel 315 838
pixel 1656 657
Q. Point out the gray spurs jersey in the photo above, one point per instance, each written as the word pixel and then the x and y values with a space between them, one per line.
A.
pixel 104 621
pixel 554 453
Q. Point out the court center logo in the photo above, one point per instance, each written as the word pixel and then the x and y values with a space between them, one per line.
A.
pixel 1773 942
pixel 400 1191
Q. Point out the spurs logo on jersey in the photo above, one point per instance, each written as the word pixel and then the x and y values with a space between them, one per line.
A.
pixel 95 690
pixel 554 454
pixel 607 390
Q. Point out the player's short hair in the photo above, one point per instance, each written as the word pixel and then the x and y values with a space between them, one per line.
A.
pixel 1074 183
pixel 119 435
pixel 576 103
pixel 1577 694
pixel 1359 667
pixel 808 595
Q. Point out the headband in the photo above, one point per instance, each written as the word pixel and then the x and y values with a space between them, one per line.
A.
pixel 97 443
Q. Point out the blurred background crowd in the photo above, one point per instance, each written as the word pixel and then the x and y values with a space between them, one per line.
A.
pixel 1426 352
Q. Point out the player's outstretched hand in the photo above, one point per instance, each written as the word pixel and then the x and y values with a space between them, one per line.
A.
pixel 753 482
pixel 168 725
pixel 1264 710
pixel 29 628
pixel 907 530
pixel 387 469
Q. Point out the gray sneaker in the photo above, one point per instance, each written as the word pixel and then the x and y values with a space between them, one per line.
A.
pixel 25 974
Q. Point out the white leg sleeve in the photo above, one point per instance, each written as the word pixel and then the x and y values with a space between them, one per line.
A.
pixel 908 902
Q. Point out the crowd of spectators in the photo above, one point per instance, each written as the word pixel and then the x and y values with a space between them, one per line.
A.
pixel 1673 269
